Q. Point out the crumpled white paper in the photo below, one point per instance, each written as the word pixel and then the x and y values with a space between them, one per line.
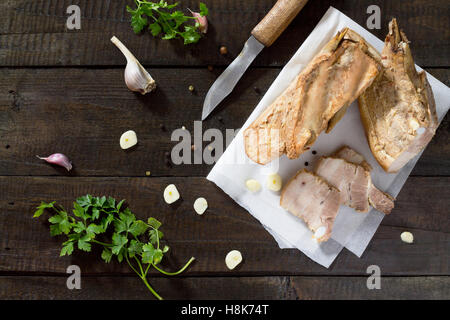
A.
pixel 351 229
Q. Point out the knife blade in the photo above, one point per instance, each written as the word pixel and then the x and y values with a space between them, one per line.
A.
pixel 226 82
pixel 263 35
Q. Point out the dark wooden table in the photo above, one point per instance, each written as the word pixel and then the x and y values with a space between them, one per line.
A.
pixel 63 91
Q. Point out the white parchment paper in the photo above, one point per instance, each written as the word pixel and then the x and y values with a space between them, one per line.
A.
pixel 351 229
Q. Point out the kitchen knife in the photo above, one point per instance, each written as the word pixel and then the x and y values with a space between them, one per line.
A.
pixel 263 35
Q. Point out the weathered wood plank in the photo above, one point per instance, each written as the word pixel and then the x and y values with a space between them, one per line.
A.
pixel 33 33
pixel 26 245
pixel 83 112
pixel 226 288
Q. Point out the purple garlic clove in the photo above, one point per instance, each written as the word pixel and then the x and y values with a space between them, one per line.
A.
pixel 201 20
pixel 58 159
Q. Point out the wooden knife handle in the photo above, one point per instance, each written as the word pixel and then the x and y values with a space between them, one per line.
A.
pixel 277 20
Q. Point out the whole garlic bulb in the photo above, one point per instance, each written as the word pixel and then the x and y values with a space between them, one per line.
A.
pixel 137 78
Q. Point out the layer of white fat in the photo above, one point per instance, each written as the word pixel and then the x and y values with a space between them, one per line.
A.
pixel 423 136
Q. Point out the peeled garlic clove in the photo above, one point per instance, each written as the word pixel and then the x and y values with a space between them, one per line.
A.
pixel 253 185
pixel 274 182
pixel 320 232
pixel 128 140
pixel 137 78
pixel 171 194
pixel 233 259
pixel 58 159
pixel 407 237
pixel 200 205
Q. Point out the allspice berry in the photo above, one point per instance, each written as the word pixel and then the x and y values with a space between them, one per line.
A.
pixel 223 50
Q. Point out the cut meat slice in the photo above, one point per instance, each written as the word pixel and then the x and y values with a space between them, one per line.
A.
pixel 310 198
pixel 381 201
pixel 350 179
pixel 315 101
pixel 350 173
pixel 352 156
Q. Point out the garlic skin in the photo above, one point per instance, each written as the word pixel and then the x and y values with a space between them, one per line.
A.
pixel 201 20
pixel 137 78
pixel 58 159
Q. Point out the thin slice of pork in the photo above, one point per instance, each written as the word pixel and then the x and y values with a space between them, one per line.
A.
pixel 312 199
pixel 351 175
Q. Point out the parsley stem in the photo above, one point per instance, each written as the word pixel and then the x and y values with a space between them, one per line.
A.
pixel 143 277
pixel 174 273
pixel 140 265
pixel 151 289
pixel 131 266
pixel 101 243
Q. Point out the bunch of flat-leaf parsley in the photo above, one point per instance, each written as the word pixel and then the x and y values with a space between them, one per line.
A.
pixel 162 20
pixel 121 234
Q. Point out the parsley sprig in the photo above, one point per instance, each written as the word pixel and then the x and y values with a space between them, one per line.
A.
pixel 135 241
pixel 163 21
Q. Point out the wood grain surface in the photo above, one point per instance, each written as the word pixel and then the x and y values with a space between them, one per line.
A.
pixel 63 91
pixel 44 40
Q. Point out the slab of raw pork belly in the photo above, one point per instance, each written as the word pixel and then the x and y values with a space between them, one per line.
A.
pixel 310 198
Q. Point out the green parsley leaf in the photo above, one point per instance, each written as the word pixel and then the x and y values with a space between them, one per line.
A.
pixel 155 224
pixel 42 207
pixel 124 222
pixel 107 255
pixel 84 245
pixel 95 229
pixel 135 248
pixel 119 241
pixel 155 236
pixel 55 230
pixel 119 205
pixel 148 253
pixel 138 227
pixel 164 21
pixel 67 249
pixel 78 211
pixel 203 9
pixel 157 256
pixel 155 29
pixel 190 35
